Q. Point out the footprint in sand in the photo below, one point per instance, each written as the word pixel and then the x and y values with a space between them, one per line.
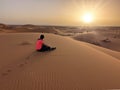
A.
pixel 9 70
pixel 27 58
pixel 21 65
pixel 4 74
pixel 26 63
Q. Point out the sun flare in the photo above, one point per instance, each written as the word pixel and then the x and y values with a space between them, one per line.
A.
pixel 87 18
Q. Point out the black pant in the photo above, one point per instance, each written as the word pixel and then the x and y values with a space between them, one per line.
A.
pixel 44 48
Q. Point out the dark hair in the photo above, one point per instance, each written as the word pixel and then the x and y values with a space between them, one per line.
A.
pixel 42 36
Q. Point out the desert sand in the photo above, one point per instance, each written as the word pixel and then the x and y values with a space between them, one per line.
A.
pixel 74 65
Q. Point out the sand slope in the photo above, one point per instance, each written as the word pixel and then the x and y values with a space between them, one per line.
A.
pixel 72 66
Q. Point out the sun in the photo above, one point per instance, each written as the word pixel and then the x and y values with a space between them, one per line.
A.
pixel 87 18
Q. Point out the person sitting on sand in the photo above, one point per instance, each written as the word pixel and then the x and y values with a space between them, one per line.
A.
pixel 41 47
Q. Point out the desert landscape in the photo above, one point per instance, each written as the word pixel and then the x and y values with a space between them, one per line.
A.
pixel 86 57
pixel 59 44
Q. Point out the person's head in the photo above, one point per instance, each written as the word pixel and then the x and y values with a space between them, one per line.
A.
pixel 41 36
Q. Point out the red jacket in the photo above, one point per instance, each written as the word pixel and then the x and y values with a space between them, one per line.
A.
pixel 39 44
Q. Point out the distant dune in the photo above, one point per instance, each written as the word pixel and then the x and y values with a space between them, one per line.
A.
pixel 25 28
pixel 2 25
pixel 72 66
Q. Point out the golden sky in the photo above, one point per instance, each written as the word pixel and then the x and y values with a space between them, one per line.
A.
pixel 59 12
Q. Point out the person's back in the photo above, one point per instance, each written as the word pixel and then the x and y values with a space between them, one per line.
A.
pixel 39 44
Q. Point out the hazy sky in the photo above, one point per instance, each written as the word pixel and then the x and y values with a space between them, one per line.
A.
pixel 59 12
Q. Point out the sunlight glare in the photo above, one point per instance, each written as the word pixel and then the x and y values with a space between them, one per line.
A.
pixel 87 18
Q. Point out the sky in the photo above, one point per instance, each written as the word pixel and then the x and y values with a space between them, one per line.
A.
pixel 59 12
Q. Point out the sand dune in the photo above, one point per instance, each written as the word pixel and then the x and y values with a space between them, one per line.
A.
pixel 72 66
pixel 99 39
